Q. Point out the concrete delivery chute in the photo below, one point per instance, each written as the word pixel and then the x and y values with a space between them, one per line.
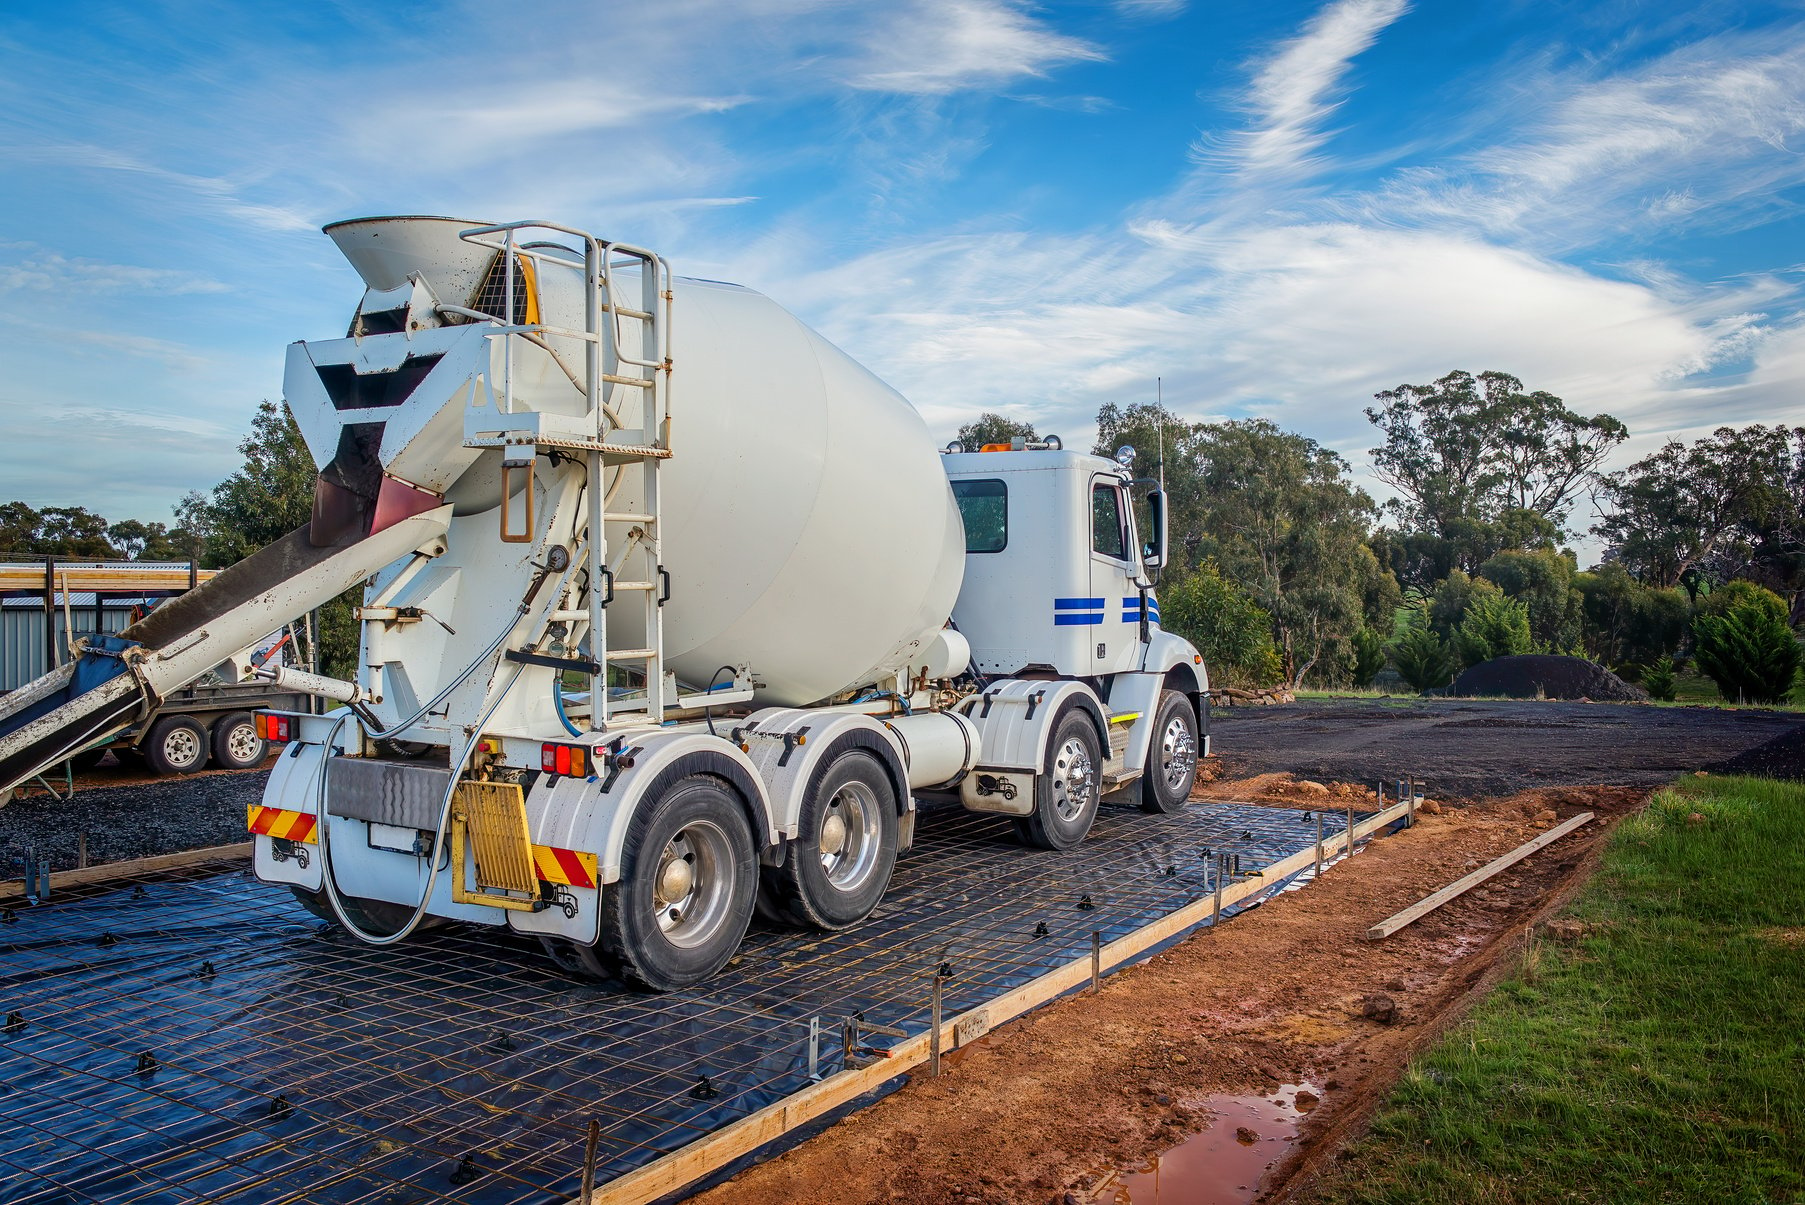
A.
pixel 655 633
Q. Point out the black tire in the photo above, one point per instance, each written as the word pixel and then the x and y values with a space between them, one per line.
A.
pixel 575 958
pixel 1069 786
pixel 177 744
pixel 836 889
pixel 372 916
pixel 1172 756
pixel 658 942
pixel 236 745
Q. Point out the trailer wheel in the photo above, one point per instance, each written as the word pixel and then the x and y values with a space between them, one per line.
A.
pixel 236 745
pixel 1068 788
pixel 177 745
pixel 684 900
pixel 1172 757
pixel 845 851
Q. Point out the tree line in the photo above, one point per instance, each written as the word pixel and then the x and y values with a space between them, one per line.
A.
pixel 1283 571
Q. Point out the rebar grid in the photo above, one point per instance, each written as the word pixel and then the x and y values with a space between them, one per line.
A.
pixel 309 1068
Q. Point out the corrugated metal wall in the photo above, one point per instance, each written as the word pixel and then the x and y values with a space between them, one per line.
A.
pixel 22 638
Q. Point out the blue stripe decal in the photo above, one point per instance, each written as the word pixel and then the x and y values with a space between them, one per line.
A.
pixel 1077 604
pixel 1073 620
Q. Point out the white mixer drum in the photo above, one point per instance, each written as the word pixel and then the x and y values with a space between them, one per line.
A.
pixel 809 529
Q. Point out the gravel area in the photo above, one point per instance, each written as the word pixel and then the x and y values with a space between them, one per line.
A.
pixel 1782 757
pixel 136 821
pixel 1475 748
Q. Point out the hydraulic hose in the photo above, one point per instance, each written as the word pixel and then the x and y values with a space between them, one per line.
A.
pixel 326 878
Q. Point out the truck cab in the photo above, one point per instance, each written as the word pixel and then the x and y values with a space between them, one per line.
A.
pixel 1059 586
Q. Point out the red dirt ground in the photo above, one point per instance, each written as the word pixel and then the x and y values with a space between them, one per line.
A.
pixel 1049 1107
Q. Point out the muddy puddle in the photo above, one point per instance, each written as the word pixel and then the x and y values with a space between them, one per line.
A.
pixel 1223 1164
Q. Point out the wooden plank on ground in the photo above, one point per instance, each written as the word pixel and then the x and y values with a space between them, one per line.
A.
pixel 1430 903
pixel 134 867
pixel 689 1163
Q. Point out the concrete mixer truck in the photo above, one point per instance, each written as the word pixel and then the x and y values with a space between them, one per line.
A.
pixel 672 613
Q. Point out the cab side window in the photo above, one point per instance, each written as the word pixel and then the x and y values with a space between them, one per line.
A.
pixel 984 507
pixel 1109 534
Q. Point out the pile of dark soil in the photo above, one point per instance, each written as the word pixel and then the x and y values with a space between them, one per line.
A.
pixel 1538 676
pixel 137 821
pixel 1782 757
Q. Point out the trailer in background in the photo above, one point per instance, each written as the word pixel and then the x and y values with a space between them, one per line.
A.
pixel 48 604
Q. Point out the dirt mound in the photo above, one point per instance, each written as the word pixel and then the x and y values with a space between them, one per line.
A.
pixel 1782 757
pixel 1538 676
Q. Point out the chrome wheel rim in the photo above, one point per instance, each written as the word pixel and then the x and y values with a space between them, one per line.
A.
pixel 848 840
pixel 241 742
pixel 1073 779
pixel 693 885
pixel 181 747
pixel 1178 755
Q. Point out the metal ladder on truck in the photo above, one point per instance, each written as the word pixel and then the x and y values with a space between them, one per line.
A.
pixel 627 422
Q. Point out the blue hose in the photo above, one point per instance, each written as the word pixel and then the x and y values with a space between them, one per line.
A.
pixel 558 702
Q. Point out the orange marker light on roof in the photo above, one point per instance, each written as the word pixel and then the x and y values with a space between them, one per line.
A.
pixel 997 448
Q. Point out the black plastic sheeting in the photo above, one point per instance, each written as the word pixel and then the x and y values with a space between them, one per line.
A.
pixel 204 1039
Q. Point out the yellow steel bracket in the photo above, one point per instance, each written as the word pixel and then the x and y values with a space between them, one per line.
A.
pixel 491 818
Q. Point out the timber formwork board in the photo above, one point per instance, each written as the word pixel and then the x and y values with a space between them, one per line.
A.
pixel 193 1035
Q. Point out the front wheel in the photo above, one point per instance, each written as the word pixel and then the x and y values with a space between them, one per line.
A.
pixel 684 900
pixel 1069 786
pixel 1172 757
pixel 845 850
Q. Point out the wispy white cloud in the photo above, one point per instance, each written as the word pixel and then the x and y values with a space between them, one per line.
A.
pixel 942 46
pixel 1708 135
pixel 38 270
pixel 1150 10
pixel 1295 89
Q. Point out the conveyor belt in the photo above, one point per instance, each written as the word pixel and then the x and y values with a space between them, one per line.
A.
pixel 293 1065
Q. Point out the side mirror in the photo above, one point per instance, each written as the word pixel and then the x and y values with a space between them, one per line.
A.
pixel 1153 555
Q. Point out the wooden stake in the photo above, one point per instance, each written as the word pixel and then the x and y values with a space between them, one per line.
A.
pixel 1428 904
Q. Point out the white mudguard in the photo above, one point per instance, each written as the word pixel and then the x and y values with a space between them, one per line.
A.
pixel 591 815
pixel 787 745
pixel 1015 719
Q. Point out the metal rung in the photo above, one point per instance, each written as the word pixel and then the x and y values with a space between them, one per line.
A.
pixel 632 654
pixel 628 517
pixel 616 379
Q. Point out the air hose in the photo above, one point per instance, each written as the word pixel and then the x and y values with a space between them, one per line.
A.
pixel 457 768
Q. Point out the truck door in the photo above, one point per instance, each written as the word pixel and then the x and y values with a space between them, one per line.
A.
pixel 1114 570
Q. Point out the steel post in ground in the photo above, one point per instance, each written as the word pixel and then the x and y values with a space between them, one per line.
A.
pixel 934 1007
pixel 1216 914
pixel 589 1152
pixel 1319 843
pixel 1412 798
pixel 1096 961
pixel 814 1048
pixel 1350 820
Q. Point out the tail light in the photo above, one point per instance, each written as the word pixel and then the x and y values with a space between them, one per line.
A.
pixel 274 728
pixel 565 759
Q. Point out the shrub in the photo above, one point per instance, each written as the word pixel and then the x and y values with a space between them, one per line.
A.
pixel 1494 626
pixel 1658 680
pixel 1423 659
pixel 1230 629
pixel 1626 622
pixel 1543 582
pixel 1368 647
pixel 1747 647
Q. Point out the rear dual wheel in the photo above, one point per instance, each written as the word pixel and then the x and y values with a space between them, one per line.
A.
pixel 839 867
pixel 684 900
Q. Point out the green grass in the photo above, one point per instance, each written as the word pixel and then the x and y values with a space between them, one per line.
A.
pixel 1659 1058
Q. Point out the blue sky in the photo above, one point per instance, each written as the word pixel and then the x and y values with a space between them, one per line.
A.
pixel 1278 208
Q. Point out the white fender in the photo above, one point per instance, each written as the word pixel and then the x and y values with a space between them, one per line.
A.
pixel 787 745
